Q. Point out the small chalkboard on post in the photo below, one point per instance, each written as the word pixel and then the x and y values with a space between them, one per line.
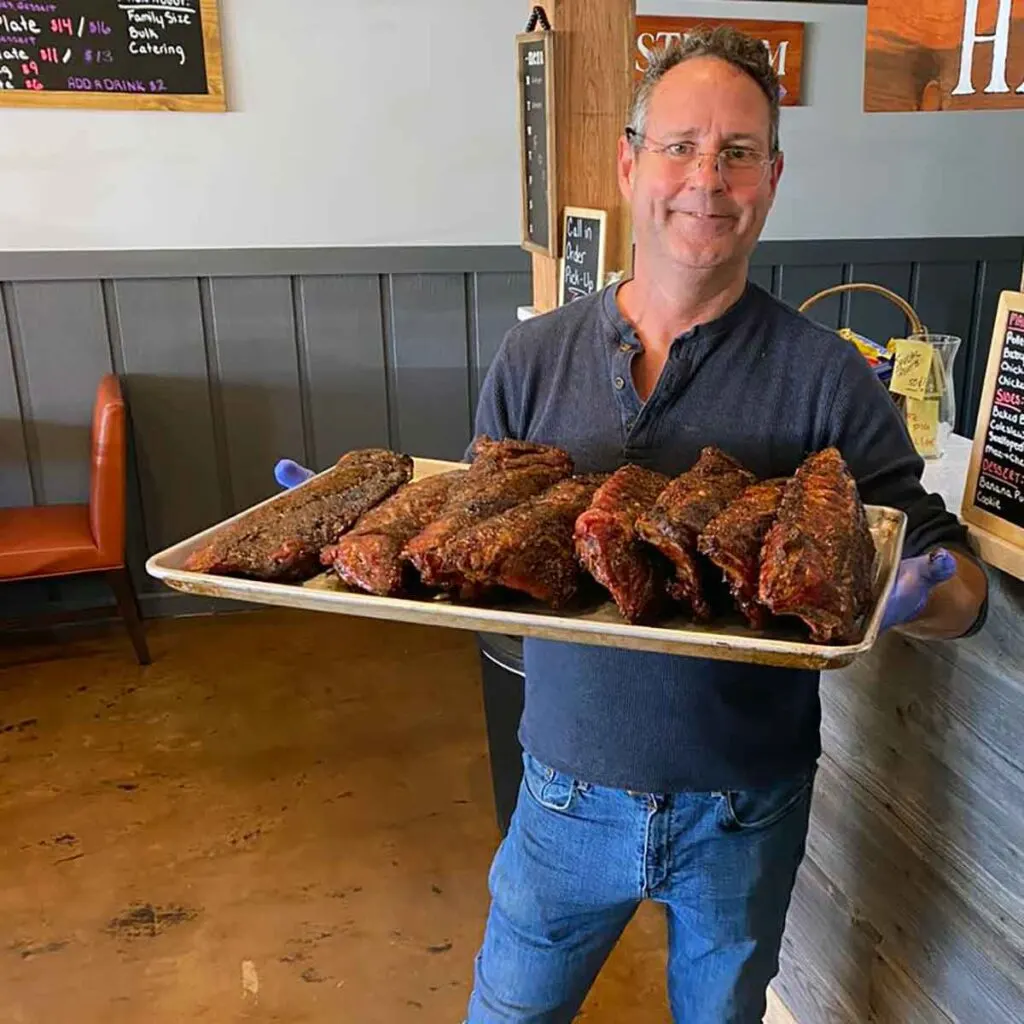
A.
pixel 535 70
pixel 582 267
pixel 994 496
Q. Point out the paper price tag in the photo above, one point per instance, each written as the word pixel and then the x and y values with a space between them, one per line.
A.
pixel 923 424
pixel 913 369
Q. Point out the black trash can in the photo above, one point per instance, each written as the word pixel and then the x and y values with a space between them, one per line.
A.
pixel 501 663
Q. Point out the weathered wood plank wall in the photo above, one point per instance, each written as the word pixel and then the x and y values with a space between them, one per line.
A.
pixel 910 905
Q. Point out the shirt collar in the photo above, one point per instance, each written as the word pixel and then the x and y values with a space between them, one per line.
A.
pixel 625 333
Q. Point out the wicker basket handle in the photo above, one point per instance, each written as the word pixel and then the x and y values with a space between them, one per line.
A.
pixel 917 327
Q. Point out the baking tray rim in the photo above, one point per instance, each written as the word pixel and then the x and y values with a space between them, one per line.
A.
pixel 165 566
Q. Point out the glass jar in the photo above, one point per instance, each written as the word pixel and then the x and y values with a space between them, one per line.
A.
pixel 941 386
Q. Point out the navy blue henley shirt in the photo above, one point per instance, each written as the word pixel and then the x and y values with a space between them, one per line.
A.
pixel 769 387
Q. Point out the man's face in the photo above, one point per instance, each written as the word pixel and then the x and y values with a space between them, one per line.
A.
pixel 691 216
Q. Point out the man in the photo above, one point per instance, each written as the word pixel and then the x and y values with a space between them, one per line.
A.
pixel 650 776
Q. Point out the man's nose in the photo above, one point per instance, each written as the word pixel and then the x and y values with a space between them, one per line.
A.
pixel 705 174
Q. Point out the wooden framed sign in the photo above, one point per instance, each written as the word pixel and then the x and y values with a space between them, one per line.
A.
pixel 535 67
pixel 111 54
pixel 784 40
pixel 994 495
pixel 582 267
pixel 944 55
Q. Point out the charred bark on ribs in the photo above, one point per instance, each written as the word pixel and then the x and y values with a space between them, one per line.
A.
pixel 733 540
pixel 282 541
pixel 517 519
pixel 502 475
pixel 528 548
pixel 491 455
pixel 610 549
pixel 369 557
pixel 817 559
pixel 682 511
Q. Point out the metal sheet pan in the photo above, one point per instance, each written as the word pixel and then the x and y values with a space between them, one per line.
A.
pixel 600 624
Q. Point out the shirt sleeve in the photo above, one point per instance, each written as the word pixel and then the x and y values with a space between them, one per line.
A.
pixel 867 428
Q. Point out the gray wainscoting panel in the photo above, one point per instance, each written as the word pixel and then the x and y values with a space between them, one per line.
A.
pixel 953 284
pixel 15 479
pixel 341 330
pixel 998 276
pixel 430 359
pixel 65 346
pixel 945 296
pixel 339 260
pixel 492 293
pixel 874 315
pixel 764 276
pixel 797 282
pixel 257 381
pixel 167 388
pixel 233 360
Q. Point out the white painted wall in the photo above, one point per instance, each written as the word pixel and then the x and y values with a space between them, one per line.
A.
pixel 392 122
pixel 856 175
pixel 353 122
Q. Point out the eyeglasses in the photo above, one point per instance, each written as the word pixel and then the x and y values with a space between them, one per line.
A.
pixel 738 166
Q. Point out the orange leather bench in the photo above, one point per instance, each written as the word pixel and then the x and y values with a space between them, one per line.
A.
pixel 64 540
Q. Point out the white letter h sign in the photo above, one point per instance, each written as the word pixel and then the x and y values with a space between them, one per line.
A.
pixel 1001 39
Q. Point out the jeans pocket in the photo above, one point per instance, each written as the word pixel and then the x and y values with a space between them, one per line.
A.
pixel 550 788
pixel 751 809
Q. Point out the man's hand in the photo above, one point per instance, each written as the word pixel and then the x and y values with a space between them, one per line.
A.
pixel 915 580
pixel 937 596
pixel 290 474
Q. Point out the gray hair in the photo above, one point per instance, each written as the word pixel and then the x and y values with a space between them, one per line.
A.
pixel 724 42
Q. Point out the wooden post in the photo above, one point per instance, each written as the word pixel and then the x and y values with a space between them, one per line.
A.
pixel 593 86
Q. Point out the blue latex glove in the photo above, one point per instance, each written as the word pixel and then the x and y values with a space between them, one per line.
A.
pixel 290 474
pixel 915 580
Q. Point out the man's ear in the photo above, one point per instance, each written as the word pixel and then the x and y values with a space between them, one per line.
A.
pixel 626 165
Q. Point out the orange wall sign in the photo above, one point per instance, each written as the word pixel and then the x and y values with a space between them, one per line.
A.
pixel 944 55
pixel 784 39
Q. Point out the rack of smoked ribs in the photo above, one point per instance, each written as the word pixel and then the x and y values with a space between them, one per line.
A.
pixel 520 521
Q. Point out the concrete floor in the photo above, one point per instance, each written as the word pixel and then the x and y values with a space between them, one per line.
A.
pixel 287 817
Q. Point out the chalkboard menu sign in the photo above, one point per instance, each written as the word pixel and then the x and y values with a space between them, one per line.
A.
pixel 535 71
pixel 994 499
pixel 583 246
pixel 135 54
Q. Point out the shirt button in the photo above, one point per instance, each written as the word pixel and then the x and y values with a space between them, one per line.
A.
pixel 624 348
pixel 630 423
pixel 619 383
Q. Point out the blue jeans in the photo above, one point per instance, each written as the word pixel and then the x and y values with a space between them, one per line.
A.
pixel 579 859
